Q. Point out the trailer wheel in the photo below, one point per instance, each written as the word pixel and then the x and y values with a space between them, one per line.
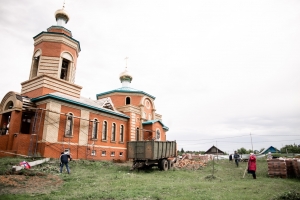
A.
pixel 170 164
pixel 164 165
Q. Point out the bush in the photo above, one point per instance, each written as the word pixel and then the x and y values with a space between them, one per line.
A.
pixel 290 195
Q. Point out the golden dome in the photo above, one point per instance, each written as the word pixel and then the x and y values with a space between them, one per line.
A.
pixel 61 13
pixel 125 76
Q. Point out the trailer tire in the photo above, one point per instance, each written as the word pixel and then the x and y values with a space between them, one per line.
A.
pixel 164 165
pixel 170 164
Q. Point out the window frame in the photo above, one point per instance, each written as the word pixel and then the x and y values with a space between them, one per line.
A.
pixel 113 132
pixel 158 138
pixel 121 133
pixel 127 100
pixel 95 133
pixel 104 131
pixel 71 125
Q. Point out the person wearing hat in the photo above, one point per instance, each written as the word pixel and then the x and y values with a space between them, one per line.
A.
pixel 64 160
pixel 252 165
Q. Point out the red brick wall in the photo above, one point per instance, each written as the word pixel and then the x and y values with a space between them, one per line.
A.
pixel 3 142
pixel 120 100
pixel 54 49
pixel 38 92
pixel 21 143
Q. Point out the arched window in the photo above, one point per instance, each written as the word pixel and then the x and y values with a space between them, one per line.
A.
pixel 35 64
pixel 137 134
pixel 95 129
pixel 104 131
pixel 150 117
pixel 66 66
pixel 157 134
pixel 113 132
pixel 127 100
pixel 121 133
pixel 69 125
pixel 9 105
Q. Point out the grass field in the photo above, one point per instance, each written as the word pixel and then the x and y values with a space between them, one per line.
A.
pixel 106 180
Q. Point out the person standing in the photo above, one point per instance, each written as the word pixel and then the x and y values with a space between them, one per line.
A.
pixel 252 165
pixel 230 157
pixel 236 157
pixel 64 160
pixel 269 156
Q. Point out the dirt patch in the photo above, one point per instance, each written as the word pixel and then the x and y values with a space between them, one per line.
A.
pixel 20 184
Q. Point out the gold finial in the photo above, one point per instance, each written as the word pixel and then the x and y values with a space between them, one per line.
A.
pixel 126 62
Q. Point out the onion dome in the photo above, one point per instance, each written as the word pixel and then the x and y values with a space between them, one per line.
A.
pixel 61 17
pixel 125 76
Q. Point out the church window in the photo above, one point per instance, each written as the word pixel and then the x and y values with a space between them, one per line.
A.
pixel 137 134
pixel 157 134
pixel 64 70
pixel 127 100
pixel 121 133
pixel 35 64
pixel 93 153
pixel 69 125
pixel 113 132
pixel 150 117
pixel 104 131
pixel 95 129
pixel 112 153
pixel 103 153
pixel 121 154
pixel 147 103
pixel 66 67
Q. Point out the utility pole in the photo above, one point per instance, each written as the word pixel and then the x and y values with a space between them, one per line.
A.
pixel 251 142
pixel 217 151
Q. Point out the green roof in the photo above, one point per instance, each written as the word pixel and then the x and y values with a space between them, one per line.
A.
pixel 154 121
pixel 125 90
pixel 84 102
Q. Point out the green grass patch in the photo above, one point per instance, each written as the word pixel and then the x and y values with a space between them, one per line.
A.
pixel 106 180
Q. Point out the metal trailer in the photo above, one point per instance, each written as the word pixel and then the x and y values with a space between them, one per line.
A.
pixel 146 154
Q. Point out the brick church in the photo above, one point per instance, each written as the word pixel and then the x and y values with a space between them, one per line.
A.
pixel 49 116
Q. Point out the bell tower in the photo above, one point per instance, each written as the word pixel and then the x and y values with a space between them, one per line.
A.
pixel 54 61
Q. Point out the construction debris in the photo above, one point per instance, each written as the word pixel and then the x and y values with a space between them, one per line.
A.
pixel 193 162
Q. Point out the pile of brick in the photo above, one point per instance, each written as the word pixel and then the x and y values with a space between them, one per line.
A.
pixel 277 168
pixel 284 168
pixel 191 162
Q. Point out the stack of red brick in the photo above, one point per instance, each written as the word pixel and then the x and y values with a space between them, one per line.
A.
pixel 284 168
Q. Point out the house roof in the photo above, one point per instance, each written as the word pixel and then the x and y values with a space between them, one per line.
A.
pixel 154 121
pixel 103 105
pixel 125 90
pixel 214 147
pixel 269 150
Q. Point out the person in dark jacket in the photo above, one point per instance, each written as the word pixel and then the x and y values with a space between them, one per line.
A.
pixel 230 157
pixel 252 165
pixel 64 160
pixel 236 157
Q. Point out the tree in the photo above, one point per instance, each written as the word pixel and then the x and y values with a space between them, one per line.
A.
pixel 182 151
pixel 242 151
pixel 292 148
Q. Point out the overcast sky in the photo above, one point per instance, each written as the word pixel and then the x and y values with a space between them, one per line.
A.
pixel 219 70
